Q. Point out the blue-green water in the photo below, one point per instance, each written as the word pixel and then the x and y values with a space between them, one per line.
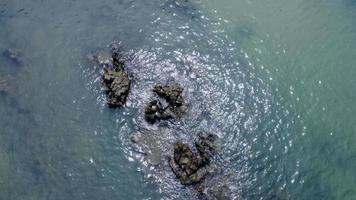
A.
pixel 273 79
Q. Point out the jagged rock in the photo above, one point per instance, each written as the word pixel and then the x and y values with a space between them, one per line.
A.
pixel 192 167
pixel 187 165
pixel 154 111
pixel 116 82
pixel 175 107
pixel 116 85
pixel 118 60
pixel 171 93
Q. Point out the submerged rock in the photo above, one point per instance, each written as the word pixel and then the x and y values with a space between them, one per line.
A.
pixel 149 145
pixel 206 146
pixel 5 86
pixel 102 58
pixel 116 85
pixel 13 55
pixel 220 192
pixel 114 59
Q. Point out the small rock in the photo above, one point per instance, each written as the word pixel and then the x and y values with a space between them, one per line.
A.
pixel 116 85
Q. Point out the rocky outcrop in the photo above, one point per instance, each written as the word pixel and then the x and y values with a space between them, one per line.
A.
pixel 155 111
pixel 116 82
pixel 171 93
pixel 116 85
pixel 175 104
pixel 192 167
pixel 192 163
pixel 187 165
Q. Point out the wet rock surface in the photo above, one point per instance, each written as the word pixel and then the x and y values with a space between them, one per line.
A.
pixel 101 57
pixel 116 85
pixel 189 166
pixel 171 93
pixel 175 105
pixel 155 111
pixel 220 192
pixel 116 82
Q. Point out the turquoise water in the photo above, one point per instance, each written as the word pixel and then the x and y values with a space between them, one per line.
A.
pixel 273 79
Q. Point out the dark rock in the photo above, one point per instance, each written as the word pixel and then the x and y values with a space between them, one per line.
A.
pixel 192 167
pixel 171 93
pixel 116 85
pixel 154 111
pixel 187 165
pixel 176 107
pixel 118 60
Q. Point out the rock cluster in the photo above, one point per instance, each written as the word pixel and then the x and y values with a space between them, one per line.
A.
pixel 175 104
pixel 189 166
pixel 116 82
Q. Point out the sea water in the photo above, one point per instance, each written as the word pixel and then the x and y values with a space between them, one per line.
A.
pixel 273 79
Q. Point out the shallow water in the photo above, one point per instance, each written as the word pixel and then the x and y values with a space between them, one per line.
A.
pixel 273 80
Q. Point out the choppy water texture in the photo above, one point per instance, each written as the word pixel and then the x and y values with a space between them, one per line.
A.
pixel 274 80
